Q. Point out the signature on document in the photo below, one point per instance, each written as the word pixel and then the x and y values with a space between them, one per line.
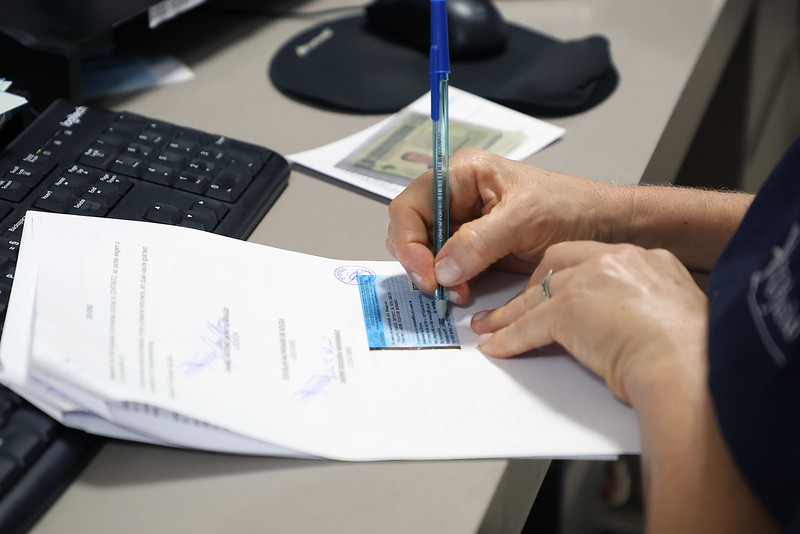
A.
pixel 319 382
pixel 217 342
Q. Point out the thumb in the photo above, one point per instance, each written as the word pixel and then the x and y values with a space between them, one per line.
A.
pixel 474 247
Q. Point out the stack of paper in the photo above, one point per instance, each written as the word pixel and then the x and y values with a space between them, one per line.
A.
pixel 184 338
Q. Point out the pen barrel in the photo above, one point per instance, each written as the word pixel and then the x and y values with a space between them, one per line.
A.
pixel 441 176
pixel 441 168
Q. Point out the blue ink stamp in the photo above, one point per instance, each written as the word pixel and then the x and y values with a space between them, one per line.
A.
pixel 352 274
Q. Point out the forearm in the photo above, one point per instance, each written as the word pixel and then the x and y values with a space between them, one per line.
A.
pixel 693 224
pixel 691 482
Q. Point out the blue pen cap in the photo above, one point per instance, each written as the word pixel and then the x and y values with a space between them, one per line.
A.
pixel 440 52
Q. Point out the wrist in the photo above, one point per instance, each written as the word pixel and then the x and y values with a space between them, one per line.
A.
pixel 663 374
pixel 612 210
pixel 625 204
pixel 693 224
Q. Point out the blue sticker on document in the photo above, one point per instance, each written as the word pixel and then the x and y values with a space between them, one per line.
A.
pixel 397 315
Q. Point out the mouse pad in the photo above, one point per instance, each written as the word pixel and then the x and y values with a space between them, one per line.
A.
pixel 342 65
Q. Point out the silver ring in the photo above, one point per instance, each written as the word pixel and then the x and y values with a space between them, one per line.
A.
pixel 545 285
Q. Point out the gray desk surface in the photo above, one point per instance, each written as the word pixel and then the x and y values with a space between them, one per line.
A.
pixel 669 55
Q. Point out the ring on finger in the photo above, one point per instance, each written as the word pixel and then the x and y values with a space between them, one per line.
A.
pixel 545 285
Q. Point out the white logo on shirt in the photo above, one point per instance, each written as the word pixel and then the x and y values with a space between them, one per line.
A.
pixel 774 309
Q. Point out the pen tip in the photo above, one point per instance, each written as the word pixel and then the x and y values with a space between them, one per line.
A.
pixel 441 310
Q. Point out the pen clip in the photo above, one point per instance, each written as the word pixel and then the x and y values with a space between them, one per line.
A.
pixel 440 53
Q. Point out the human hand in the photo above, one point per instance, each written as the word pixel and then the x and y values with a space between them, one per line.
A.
pixel 631 315
pixel 501 212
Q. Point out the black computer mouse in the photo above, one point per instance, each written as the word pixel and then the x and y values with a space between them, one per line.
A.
pixel 475 27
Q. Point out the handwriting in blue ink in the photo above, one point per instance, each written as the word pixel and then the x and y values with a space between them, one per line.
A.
pixel 319 382
pixel 217 342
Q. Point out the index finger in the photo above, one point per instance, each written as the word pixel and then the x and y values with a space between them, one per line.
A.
pixel 410 214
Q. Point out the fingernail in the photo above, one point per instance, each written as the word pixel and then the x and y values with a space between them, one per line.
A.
pixel 417 280
pixel 454 297
pixel 447 271
pixel 484 338
pixel 479 315
pixel 390 249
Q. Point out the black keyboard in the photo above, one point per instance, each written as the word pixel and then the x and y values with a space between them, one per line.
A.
pixel 83 160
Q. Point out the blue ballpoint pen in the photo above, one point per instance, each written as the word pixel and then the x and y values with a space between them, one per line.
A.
pixel 439 72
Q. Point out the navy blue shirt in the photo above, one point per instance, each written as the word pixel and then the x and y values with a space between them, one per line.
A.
pixel 754 342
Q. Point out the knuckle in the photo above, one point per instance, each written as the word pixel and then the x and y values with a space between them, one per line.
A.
pixel 664 255
pixel 395 206
pixel 474 244
pixel 555 250
pixel 628 249
pixel 471 154
pixel 618 256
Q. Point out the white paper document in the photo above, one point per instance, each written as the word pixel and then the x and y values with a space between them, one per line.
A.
pixel 533 135
pixel 174 336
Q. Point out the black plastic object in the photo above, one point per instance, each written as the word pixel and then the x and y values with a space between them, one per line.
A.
pixel 344 65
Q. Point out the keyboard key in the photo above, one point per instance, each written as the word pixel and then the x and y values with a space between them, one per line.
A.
pixel 140 150
pixel 5 209
pixel 115 182
pixel 113 141
pixel 9 246
pixel 7 408
pixel 130 120
pixel 27 176
pixel 6 264
pixel 21 171
pixel 107 198
pixel 172 159
pixel 35 421
pixel 129 165
pixel 164 213
pixel 193 138
pixel 199 221
pixel 9 396
pixel 159 174
pixel 56 200
pixel 121 131
pixel 203 166
pixel 13 189
pixel 194 182
pixel 88 207
pixel 98 156
pixel 39 158
pixel 211 207
pixel 151 138
pixel 186 147
pixel 74 182
pixel 246 160
pixel 12 224
pixel 212 155
pixel 82 170
pixel 9 473
pixel 20 444
pixel 126 126
pixel 162 128
pixel 229 184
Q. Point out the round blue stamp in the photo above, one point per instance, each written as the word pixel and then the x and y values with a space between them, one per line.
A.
pixel 349 274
